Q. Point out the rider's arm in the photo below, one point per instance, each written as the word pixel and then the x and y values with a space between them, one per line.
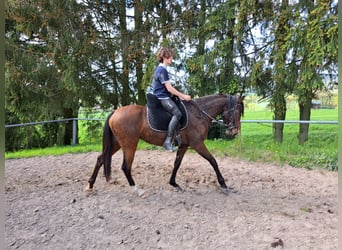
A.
pixel 175 92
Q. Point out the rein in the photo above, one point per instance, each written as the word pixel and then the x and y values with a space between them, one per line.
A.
pixel 205 113
pixel 212 118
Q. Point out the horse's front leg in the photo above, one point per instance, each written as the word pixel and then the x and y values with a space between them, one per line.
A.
pixel 203 151
pixel 180 154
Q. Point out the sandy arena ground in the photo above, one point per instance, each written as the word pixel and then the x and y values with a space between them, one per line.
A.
pixel 270 206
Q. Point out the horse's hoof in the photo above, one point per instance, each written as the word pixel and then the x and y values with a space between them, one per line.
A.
pixel 178 189
pixel 138 191
pixel 228 190
pixel 89 189
pixel 225 190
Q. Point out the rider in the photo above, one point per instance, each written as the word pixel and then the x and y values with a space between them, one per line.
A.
pixel 163 90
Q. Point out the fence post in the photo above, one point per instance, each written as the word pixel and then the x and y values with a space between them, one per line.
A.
pixel 74 131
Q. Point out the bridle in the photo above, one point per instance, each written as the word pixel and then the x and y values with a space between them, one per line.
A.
pixel 231 112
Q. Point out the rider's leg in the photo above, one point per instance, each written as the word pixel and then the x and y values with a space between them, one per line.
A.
pixel 167 145
pixel 170 106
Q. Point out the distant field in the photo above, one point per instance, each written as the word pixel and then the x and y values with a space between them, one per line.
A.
pixel 290 128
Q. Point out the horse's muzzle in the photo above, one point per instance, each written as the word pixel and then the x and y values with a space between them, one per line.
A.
pixel 232 132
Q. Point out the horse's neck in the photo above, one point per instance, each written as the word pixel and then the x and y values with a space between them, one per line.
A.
pixel 212 105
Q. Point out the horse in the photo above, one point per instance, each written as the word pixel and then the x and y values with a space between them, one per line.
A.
pixel 125 126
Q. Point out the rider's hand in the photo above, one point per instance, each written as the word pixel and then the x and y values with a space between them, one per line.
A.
pixel 186 97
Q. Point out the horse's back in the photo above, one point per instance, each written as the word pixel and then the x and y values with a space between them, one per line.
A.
pixel 129 124
pixel 129 114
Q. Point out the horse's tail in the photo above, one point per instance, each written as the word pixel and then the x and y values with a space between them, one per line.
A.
pixel 107 146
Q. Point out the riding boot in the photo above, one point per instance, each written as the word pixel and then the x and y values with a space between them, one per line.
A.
pixel 167 145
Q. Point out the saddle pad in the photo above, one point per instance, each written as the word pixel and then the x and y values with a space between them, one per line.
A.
pixel 158 119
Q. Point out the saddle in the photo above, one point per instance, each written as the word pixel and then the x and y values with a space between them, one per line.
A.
pixel 158 118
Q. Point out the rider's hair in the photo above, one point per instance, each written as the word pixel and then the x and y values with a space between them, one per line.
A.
pixel 164 53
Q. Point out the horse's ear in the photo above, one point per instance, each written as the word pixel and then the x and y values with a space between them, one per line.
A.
pixel 242 98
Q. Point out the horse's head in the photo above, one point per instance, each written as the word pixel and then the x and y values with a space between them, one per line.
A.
pixel 232 113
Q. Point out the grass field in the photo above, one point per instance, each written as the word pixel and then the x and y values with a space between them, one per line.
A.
pixel 255 143
pixel 320 150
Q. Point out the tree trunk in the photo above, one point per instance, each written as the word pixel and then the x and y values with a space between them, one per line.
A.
pixel 278 97
pixel 141 99
pixel 279 114
pixel 125 38
pixel 304 115
pixel 202 42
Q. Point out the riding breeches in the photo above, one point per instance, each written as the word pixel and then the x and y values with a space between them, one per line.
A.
pixel 170 106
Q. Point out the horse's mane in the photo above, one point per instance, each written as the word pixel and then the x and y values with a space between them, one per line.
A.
pixel 204 100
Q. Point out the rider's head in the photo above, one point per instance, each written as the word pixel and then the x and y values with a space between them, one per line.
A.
pixel 164 53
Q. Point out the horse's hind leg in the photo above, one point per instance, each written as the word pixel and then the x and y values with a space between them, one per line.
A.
pixel 97 167
pixel 92 179
pixel 127 167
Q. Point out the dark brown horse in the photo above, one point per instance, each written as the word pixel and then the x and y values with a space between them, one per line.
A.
pixel 124 127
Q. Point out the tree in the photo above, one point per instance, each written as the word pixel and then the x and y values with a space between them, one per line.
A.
pixel 29 75
pixel 269 73
pixel 299 44
pixel 212 34
pixel 314 43
pixel 63 55
pixel 47 69
pixel 280 70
